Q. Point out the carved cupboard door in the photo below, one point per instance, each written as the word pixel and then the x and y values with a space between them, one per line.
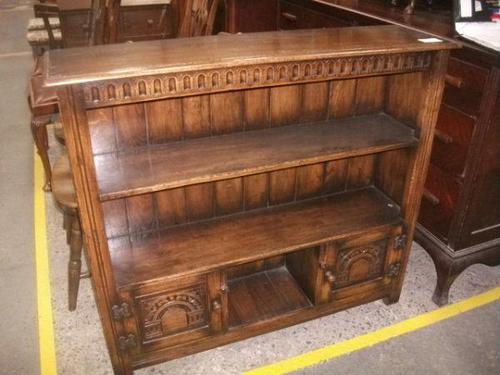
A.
pixel 178 311
pixel 355 265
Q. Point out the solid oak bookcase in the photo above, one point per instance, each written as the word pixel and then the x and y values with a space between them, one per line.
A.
pixel 234 185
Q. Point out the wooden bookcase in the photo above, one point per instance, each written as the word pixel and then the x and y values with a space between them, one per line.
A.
pixel 233 185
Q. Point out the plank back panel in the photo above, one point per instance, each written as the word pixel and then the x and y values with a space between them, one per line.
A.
pixel 209 200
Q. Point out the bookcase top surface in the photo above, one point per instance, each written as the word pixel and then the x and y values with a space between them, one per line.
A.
pixel 107 62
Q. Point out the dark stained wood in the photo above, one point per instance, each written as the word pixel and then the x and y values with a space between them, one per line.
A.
pixel 245 16
pixel 342 98
pixel 360 171
pixel 226 112
pixel 130 125
pixel 282 186
pixel 199 201
pixel 171 207
pixel 398 103
pixel 140 213
pixel 239 154
pixel 459 141
pixel 102 130
pixel 196 115
pixel 264 296
pixel 315 101
pixel 238 211
pixel 163 128
pixel 335 175
pixel 256 190
pixel 256 108
pixel 127 60
pixel 286 105
pixel 228 196
pixel 198 247
pixel 309 180
pixel 370 95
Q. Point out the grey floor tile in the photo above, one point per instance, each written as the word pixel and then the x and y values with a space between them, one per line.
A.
pixel 14 109
pixel 13 21
pixel 19 349
pixel 465 344
pixel 18 323
pixel 12 4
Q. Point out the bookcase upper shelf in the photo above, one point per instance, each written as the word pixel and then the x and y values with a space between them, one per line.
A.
pixel 154 168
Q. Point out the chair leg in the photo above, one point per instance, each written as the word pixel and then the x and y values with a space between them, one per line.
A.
pixel 40 136
pixel 68 225
pixel 75 263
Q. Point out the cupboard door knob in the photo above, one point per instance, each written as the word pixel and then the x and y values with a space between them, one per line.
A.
pixel 330 277
pixel 224 289
pixel 150 22
pixel 216 305
pixel 454 81
pixel 443 137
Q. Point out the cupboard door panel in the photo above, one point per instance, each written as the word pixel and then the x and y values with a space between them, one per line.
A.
pixel 347 266
pixel 171 313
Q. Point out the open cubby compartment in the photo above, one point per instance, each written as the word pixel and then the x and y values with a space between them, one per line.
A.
pixel 266 289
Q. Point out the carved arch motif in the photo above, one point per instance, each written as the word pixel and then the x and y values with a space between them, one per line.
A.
pixel 118 91
pixel 360 264
pixel 170 313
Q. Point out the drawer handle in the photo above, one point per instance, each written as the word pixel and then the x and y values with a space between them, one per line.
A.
pixel 431 197
pixel 289 16
pixel 443 137
pixel 454 81
pixel 150 22
pixel 85 27
pixel 330 277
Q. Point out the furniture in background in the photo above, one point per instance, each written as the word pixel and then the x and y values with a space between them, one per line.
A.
pixel 64 194
pixel 459 222
pixel 76 22
pixel 43 106
pixel 294 173
pixel 199 18
pixel 44 31
pixel 460 214
pixel 136 20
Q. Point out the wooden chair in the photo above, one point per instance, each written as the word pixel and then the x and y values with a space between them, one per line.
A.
pixel 43 105
pixel 44 31
pixel 198 18
pixel 64 193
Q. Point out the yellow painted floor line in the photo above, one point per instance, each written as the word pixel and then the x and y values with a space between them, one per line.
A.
pixel 44 305
pixel 360 342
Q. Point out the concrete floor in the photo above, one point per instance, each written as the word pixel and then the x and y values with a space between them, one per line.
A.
pixel 466 344
pixel 79 341
pixel 19 349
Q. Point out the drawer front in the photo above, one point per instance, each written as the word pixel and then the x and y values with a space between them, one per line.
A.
pixel 349 266
pixel 452 140
pixel 75 28
pixel 292 16
pixel 176 312
pixel 464 86
pixel 439 201
pixel 145 22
